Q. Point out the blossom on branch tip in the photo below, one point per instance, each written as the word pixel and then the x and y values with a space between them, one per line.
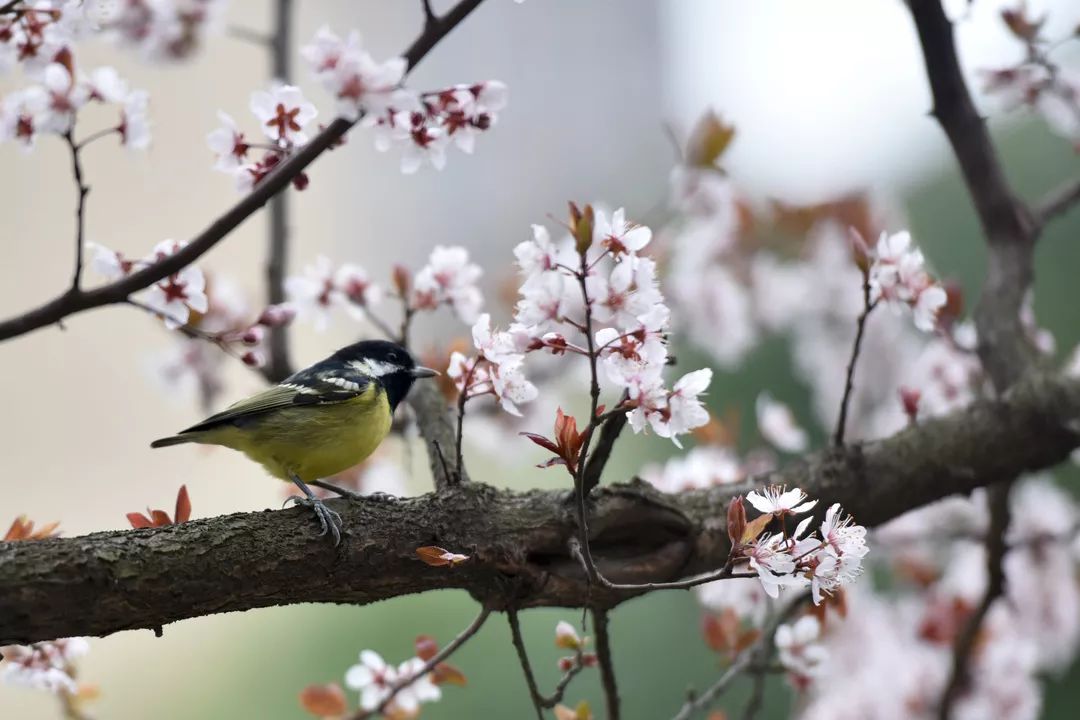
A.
pixel 283 113
pixel 323 287
pixel 898 276
pixel 777 500
pixel 359 83
pixel 174 296
pixel 228 143
pixel 448 278
pixel 618 236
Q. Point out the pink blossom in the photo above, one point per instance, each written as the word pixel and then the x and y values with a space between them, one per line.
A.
pixel 283 113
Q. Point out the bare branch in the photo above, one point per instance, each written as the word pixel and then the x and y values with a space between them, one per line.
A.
pixel 1058 202
pixel 439 657
pixel 607 665
pixel 112 581
pixel 540 701
pixel 609 432
pixel 996 549
pixel 849 383
pixel 71 303
pixel 80 209
pixel 1006 222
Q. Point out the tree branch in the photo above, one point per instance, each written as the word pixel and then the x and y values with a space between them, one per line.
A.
pixel 278 365
pixel 996 549
pixel 607 664
pixel 540 701
pixel 112 581
pixel 71 303
pixel 1058 202
pixel 1007 223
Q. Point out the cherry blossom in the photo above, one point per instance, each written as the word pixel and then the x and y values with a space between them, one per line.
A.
pixel 134 125
pixel 63 98
pixel 373 678
pixel 19 116
pixel 283 113
pixel 799 650
pixel 43 666
pixel 228 143
pixel 449 278
pixel 704 466
pixel 618 236
pixel 176 295
pixel 898 276
pixel 777 425
pixel 359 83
pixel 324 287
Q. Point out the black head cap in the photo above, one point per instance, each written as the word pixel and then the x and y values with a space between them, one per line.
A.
pixel 387 363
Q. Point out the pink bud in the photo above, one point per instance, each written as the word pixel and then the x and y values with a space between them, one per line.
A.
pixel 253 335
pixel 589 660
pixel 253 359
pixel 277 315
pixel 909 398
pixel 566 664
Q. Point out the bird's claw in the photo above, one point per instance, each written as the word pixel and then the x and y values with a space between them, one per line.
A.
pixel 329 520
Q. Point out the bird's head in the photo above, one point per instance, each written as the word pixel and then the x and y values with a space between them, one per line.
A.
pixel 387 363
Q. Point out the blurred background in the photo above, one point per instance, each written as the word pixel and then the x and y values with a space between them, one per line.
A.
pixel 827 97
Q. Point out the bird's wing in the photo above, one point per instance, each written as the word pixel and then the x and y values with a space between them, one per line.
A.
pixel 321 384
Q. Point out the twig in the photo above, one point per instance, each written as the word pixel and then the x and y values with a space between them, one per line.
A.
pixel 607 665
pixel 441 656
pixel 540 701
pixel 80 210
pixel 996 549
pixel 613 423
pixel 849 383
pixel 70 303
pixel 1058 202
pixel 278 365
pixel 725 573
pixel 429 15
pixel 248 35
pixel 11 7
pixel 104 132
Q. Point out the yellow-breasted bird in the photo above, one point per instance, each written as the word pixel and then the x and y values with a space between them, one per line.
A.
pixel 318 421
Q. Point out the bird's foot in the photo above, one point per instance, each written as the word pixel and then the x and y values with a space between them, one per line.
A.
pixel 329 520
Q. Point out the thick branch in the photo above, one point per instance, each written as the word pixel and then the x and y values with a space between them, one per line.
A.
pixel 1008 225
pixel 73 302
pixel 106 582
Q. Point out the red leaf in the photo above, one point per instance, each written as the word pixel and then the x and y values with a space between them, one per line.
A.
pixel 183 505
pixel 160 518
pixel 139 521
pixel 438 557
pixel 324 700
pixel 446 674
pixel 542 441
pixel 736 520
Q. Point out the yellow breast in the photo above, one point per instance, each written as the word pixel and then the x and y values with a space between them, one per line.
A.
pixel 314 441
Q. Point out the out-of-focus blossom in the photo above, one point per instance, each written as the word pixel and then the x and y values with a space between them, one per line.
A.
pixel 359 83
pixel 449 278
pixel 45 665
pixel 324 287
pixel 799 650
pixel 777 425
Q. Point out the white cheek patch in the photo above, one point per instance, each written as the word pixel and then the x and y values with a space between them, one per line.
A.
pixel 374 368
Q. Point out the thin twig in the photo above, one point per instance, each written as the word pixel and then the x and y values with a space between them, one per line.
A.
pixel 996 549
pixel 278 364
pixel 80 210
pixel 70 303
pixel 430 665
pixel 1058 202
pixel 248 35
pixel 104 132
pixel 540 701
pixel 849 383
pixel 429 15
pixel 607 665
pixel 725 573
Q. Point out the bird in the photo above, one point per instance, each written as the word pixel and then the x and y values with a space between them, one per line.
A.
pixel 318 421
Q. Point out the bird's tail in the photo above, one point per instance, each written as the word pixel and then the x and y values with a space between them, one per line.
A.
pixel 173 440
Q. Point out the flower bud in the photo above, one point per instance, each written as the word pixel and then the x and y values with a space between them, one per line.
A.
pixel 277 315
pixel 253 335
pixel 253 359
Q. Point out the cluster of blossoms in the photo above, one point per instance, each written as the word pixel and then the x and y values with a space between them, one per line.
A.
pixel 52 106
pixel 591 282
pixel 898 276
pixel 1037 82
pixel 173 297
pixel 826 562
pixel 283 113
pixel 44 666
pixel 422 124
pixel 375 681
pixel 449 278
pixel 799 650
pixel 164 30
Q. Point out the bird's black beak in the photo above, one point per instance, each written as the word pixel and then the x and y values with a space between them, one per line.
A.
pixel 423 372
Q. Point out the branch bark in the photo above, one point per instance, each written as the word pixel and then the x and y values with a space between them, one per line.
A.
pixel 73 301
pixel 107 582
pixel 1058 202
